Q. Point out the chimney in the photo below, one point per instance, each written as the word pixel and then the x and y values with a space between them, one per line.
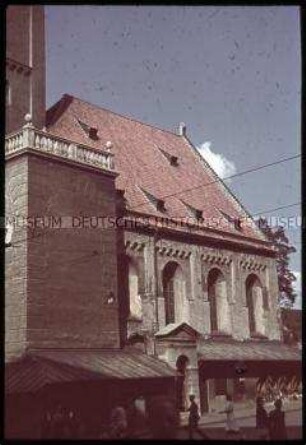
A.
pixel 182 129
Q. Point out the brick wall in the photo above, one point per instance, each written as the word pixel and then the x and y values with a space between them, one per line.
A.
pixel 38 68
pixel 16 202
pixel 18 107
pixel 71 271
pixel 17 33
pixel 25 29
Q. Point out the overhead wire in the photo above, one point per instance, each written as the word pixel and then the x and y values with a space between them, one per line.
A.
pixel 217 180
pixel 245 172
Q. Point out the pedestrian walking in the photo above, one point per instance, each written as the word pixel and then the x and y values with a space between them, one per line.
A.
pixel 262 419
pixel 277 426
pixel 137 418
pixel 231 423
pixel 194 416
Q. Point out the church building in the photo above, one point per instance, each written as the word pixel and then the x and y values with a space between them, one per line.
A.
pixel 131 269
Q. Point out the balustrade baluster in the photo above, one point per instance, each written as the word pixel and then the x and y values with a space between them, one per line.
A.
pixel 55 147
pixel 20 141
pixel 50 145
pixel 37 141
pixel 42 141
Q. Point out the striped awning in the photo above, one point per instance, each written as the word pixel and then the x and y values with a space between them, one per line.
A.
pixel 36 370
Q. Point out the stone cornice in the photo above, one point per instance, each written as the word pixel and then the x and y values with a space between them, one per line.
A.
pixel 206 237
pixel 171 252
pixel 252 265
pixel 134 245
pixel 14 65
pixel 216 258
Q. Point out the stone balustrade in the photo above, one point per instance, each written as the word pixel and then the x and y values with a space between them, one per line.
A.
pixel 29 138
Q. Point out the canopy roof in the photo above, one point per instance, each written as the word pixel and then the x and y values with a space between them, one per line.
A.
pixel 210 350
pixel 36 370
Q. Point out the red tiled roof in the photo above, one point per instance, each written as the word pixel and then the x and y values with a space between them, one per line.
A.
pixel 142 165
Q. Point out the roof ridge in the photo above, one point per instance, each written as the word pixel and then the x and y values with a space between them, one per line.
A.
pixel 69 96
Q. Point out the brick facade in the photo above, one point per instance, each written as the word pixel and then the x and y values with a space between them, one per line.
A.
pixel 71 271
pixel 61 282
pixel 196 261
pixel 16 204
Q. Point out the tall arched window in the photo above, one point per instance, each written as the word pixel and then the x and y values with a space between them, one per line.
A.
pixel 218 299
pixel 134 297
pixel 174 293
pixel 255 304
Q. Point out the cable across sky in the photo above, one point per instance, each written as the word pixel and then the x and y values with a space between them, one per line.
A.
pixel 242 173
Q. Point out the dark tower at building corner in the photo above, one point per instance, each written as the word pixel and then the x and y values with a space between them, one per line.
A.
pixel 60 281
pixel 25 66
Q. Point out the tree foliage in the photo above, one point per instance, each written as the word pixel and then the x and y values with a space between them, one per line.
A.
pixel 286 278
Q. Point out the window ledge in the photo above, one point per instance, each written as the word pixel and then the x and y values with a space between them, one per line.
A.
pixel 258 336
pixel 220 334
pixel 134 318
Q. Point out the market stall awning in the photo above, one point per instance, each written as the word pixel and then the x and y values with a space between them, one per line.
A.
pixel 211 350
pixel 36 370
pixel 230 359
pixel 31 373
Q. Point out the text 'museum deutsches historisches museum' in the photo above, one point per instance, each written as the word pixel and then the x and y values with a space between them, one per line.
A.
pixel 115 284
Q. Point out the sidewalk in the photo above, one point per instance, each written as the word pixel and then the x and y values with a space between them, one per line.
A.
pixel 242 411
pixel 246 433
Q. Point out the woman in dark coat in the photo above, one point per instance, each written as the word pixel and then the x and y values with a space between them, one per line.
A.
pixel 262 419
pixel 277 427
pixel 194 416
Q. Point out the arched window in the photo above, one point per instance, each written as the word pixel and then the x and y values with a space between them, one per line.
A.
pixel 174 293
pixel 134 297
pixel 218 299
pixel 255 304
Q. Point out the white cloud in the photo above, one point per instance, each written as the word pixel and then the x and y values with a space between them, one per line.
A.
pixel 297 286
pixel 222 166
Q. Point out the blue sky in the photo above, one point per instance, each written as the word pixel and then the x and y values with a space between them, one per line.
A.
pixel 232 74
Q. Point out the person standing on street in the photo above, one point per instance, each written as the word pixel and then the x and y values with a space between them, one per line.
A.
pixel 262 419
pixel 277 426
pixel 231 423
pixel 194 416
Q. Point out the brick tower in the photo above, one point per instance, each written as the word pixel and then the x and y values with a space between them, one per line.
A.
pixel 60 282
pixel 25 66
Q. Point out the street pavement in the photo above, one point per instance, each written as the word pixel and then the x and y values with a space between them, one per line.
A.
pixel 246 433
pixel 212 429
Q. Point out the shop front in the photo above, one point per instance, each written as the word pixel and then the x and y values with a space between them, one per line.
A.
pixel 76 391
pixel 245 370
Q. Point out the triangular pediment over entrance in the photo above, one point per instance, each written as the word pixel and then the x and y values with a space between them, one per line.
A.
pixel 178 331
